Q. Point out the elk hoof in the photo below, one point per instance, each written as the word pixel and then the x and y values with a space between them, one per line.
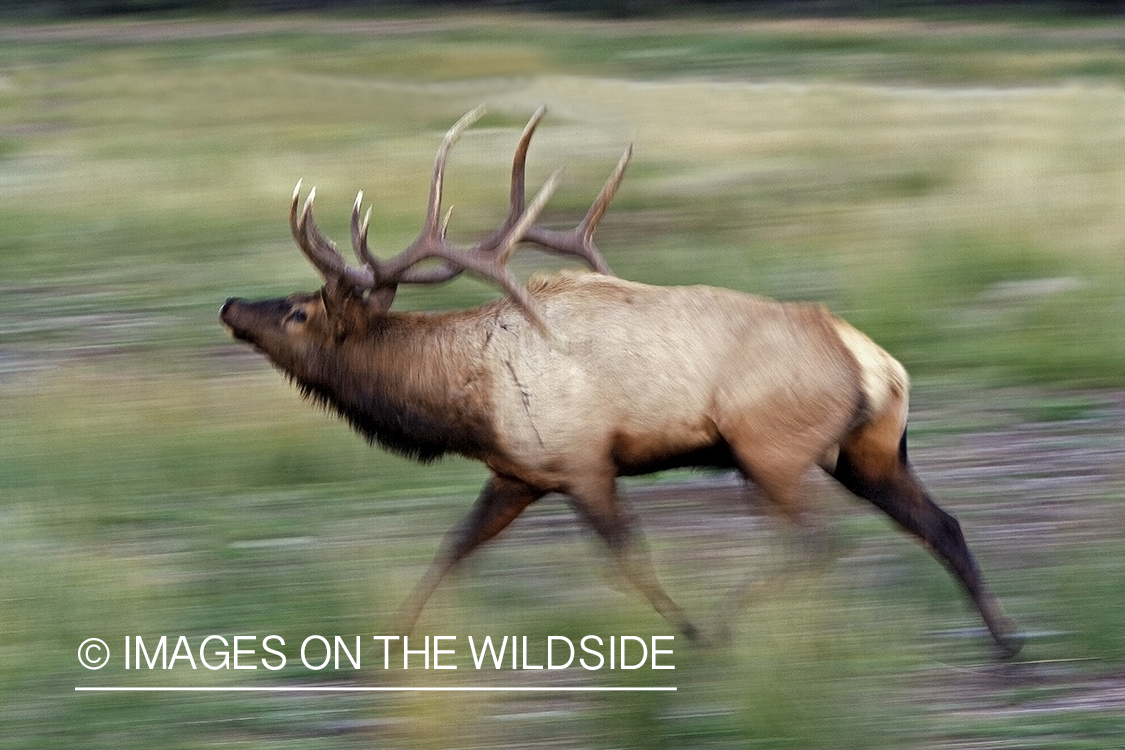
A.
pixel 1010 645
pixel 692 634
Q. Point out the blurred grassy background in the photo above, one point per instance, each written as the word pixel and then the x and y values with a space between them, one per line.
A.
pixel 956 190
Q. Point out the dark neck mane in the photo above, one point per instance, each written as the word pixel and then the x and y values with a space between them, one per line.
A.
pixel 408 390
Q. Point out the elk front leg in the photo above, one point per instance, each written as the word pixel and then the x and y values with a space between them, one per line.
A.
pixel 597 503
pixel 501 500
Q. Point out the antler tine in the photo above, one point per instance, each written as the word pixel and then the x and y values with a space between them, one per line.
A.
pixel 580 240
pixel 398 268
pixel 320 254
pixel 359 236
pixel 519 162
pixel 589 224
pixel 518 231
pixel 518 184
pixel 438 180
pixel 320 250
pixel 360 230
pixel 490 261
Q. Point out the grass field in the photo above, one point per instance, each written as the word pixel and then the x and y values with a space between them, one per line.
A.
pixel 956 190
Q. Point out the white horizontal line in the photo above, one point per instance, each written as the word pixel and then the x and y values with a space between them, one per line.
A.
pixel 320 689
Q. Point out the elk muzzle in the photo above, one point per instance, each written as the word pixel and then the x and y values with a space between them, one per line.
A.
pixel 248 321
pixel 228 314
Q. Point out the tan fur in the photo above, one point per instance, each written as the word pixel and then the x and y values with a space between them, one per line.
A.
pixel 884 380
pixel 645 372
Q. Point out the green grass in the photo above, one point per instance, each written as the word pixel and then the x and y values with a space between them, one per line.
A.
pixel 954 190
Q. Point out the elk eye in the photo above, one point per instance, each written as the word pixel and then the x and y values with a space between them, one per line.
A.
pixel 298 316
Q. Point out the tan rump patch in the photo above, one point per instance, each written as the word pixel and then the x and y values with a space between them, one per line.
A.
pixel 883 379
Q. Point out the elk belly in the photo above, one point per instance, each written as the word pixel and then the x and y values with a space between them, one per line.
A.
pixel 674 447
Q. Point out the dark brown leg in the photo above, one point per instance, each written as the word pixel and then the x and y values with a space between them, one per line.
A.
pixel 598 505
pixel 888 482
pixel 501 500
pixel 807 549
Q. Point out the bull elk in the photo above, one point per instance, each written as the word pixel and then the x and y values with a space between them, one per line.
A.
pixel 578 378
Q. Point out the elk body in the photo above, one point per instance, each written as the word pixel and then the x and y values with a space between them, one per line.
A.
pixel 579 378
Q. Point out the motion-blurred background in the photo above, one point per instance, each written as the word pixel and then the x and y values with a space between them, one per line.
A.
pixel 952 184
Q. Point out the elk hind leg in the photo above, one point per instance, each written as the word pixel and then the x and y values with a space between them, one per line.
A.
pixel 597 503
pixel 780 477
pixel 501 500
pixel 873 465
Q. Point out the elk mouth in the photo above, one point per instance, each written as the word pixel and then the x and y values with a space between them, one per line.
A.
pixel 226 317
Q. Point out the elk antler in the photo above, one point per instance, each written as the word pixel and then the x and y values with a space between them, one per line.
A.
pixel 487 259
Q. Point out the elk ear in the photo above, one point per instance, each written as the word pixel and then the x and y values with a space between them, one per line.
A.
pixel 335 300
pixel 335 296
pixel 382 297
pixel 345 309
